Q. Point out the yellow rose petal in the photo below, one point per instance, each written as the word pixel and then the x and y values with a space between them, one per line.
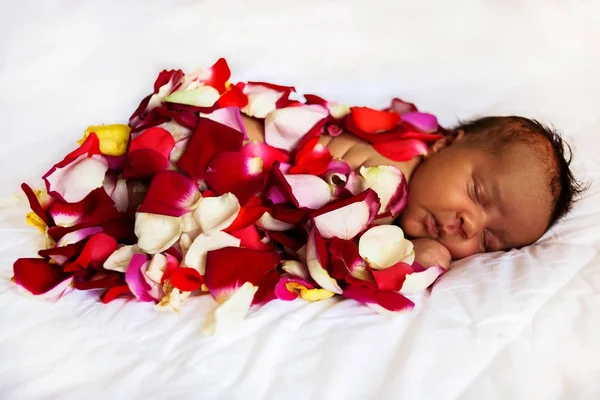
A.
pixel 34 220
pixel 113 138
pixel 309 294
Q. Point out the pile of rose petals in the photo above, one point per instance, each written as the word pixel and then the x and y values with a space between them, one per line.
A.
pixel 180 203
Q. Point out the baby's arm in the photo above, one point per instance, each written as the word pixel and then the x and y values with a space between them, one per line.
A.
pixel 430 253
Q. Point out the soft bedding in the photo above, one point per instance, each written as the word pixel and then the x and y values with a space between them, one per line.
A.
pixel 523 324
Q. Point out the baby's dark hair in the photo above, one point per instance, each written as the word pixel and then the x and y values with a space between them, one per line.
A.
pixel 548 144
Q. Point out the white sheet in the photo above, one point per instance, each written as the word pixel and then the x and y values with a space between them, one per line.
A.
pixel 522 325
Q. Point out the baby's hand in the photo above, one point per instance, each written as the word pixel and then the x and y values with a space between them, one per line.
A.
pixel 429 253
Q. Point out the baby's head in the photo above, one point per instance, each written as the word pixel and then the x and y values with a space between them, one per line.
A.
pixel 496 183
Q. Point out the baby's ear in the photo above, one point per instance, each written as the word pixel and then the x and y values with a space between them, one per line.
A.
pixel 446 141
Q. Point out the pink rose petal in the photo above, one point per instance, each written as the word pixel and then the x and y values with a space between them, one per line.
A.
pixel 229 116
pixel 421 121
pixel 346 218
pixel 286 127
pixel 135 279
pixel 401 107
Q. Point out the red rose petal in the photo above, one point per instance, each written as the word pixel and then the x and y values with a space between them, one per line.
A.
pixel 248 215
pixel 402 150
pixel 269 154
pixel 158 139
pixel 96 251
pixel 393 277
pixel 266 288
pixel 374 121
pixel 317 260
pixel 384 301
pixel 233 172
pixel 210 138
pixel 100 280
pixel 293 239
pixel 312 158
pixel 250 238
pixel 170 193
pixel 229 268
pixel 60 255
pixel 37 275
pixel 186 279
pixel 114 292
pixel 230 117
pixel 346 260
pixel 234 97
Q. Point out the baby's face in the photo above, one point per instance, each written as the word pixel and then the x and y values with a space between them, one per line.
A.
pixel 472 200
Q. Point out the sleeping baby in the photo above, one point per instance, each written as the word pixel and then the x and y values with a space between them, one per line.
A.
pixel 493 184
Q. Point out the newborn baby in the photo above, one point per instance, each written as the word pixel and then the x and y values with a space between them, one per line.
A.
pixel 494 184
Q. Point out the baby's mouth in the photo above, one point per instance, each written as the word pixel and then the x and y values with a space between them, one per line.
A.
pixel 431 226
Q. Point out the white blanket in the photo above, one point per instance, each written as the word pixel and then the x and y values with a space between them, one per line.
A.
pixel 519 325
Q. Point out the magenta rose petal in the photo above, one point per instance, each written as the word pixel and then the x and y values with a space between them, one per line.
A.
pixel 346 218
pixel 423 122
pixel 317 262
pixel 385 302
pixel 210 138
pixel 285 128
pixel 402 107
pixel 37 275
pixel 233 172
pixel 229 268
pixel 135 279
pixel 170 193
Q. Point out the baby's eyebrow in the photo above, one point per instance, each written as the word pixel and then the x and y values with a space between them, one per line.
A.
pixel 496 200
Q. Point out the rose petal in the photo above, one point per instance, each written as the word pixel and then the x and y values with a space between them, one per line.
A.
pixel 37 275
pixel 99 280
pixel 312 158
pixel 114 292
pixel 393 277
pixel 268 154
pixel 231 311
pixel 292 240
pixel 36 205
pixel 266 288
pixel 215 76
pixel 233 97
pixel 202 96
pixel 214 214
pixel 229 268
pixel 285 128
pixel 345 260
pixel 135 279
pixel 422 121
pixel 233 172
pixel 61 255
pixel 156 233
pixel 296 268
pixel 196 254
pixel 248 215
pixel 346 218
pixel 385 302
pixel 418 281
pixel 149 153
pixel 113 138
pixel 264 98
pixel 120 258
pixel 374 121
pixel 178 150
pixel 120 196
pixel 210 138
pixel 401 107
pixel 76 180
pixel 186 279
pixel 177 131
pixel 77 236
pixel 95 252
pixel 267 222
pixel 402 149
pixel 389 184
pixel 94 209
pixel 251 239
pixel 170 193
pixel 308 191
pixel 229 116
pixel 384 245
pixel 156 139
pixel 317 262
